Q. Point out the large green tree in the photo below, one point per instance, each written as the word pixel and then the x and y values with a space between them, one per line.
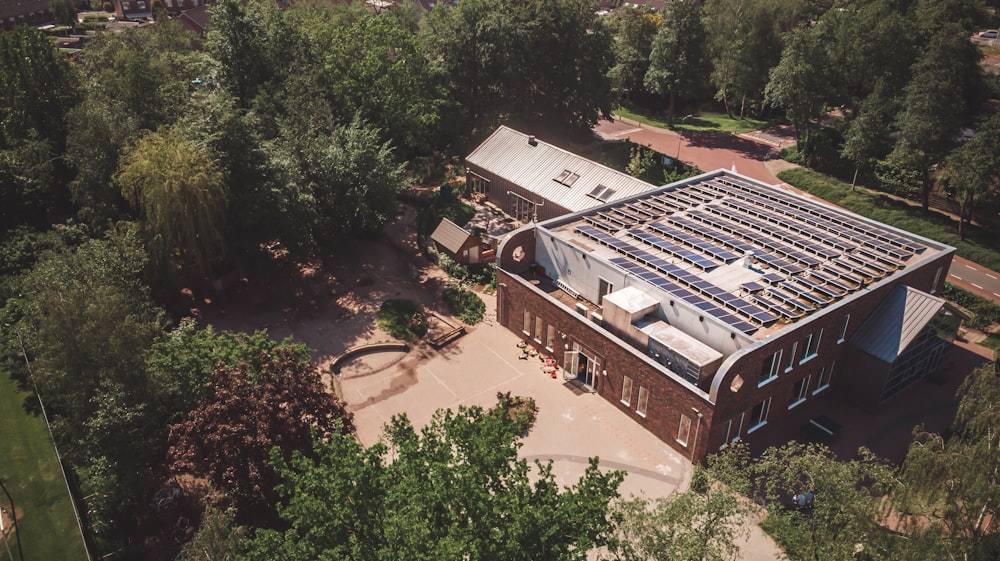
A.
pixel 634 31
pixel 973 169
pixel 455 490
pixel 847 508
pixel 37 89
pixel 700 524
pixel 951 484
pixel 180 194
pixel 678 62
pixel 799 84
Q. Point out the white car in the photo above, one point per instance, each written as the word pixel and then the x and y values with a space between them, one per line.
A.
pixel 991 34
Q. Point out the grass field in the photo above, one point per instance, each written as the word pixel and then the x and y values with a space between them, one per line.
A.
pixel 706 122
pixel 31 473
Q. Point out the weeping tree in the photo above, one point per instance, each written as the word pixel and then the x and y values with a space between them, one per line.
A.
pixel 179 193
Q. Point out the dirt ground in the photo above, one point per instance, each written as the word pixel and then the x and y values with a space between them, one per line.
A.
pixel 332 307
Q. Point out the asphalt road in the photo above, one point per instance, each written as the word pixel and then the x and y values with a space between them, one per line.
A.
pixel 754 154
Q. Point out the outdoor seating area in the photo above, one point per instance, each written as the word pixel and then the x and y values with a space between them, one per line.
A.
pixel 549 364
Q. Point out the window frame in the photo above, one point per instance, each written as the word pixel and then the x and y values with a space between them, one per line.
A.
pixel 800 391
pixel 642 402
pixel 824 377
pixel 843 328
pixel 683 428
pixel 626 398
pixel 550 337
pixel 791 356
pixel 811 350
pixel 773 369
pixel 539 330
pixel 526 323
pixel 765 409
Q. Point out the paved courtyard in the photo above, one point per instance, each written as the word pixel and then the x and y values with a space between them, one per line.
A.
pixel 572 425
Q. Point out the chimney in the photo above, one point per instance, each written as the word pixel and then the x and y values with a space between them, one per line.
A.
pixel 532 141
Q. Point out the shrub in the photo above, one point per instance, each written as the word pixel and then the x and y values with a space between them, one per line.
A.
pixel 464 304
pixel 403 319
pixel 108 7
pixel 521 410
pixel 985 312
pixel 454 269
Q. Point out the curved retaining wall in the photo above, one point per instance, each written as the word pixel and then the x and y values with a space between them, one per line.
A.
pixel 366 349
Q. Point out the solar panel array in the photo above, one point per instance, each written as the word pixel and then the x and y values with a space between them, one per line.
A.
pixel 810 255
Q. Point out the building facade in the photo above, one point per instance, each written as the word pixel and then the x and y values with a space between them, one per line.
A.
pixel 24 12
pixel 711 309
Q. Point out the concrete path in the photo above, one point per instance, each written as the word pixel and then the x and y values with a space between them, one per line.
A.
pixel 572 424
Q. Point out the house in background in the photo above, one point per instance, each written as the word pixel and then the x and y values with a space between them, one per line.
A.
pixel 533 180
pixel 460 244
pixel 24 12
pixel 718 308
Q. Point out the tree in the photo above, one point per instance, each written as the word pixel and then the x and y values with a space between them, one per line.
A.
pixel 218 538
pixel 228 437
pixel 952 484
pixel 181 362
pixel 64 12
pixel 700 524
pixel 37 89
pixel 180 194
pixel 351 179
pixel 945 80
pixel 799 84
pixel 678 63
pixel 866 138
pixel 455 490
pixel 846 511
pixel 973 169
pixel 634 31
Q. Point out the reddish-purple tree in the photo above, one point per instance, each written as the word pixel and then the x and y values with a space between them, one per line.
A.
pixel 229 436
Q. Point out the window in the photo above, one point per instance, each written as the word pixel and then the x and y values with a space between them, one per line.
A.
pixel 550 337
pixel 843 328
pixel 142 5
pixel 734 427
pixel 627 391
pixel 640 407
pixel 603 289
pixel 769 370
pixel 539 329
pixel 684 430
pixel 812 345
pixel 791 356
pixel 526 329
pixel 478 184
pixel 758 417
pixel 799 391
pixel 823 381
pixel 937 280
pixel 561 178
pixel 170 3
pixel 125 6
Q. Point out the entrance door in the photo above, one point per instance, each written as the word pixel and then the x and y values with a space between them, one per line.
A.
pixel 520 208
pixel 584 366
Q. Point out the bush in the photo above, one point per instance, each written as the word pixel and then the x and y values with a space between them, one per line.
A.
pixel 403 319
pixel 985 312
pixel 521 410
pixel 464 304
pixel 454 269
pixel 109 7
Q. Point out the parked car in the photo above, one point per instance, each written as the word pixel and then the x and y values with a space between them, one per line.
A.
pixel 991 34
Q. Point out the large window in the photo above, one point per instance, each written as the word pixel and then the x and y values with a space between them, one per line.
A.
pixel 640 407
pixel 843 328
pixel 812 345
pixel 769 370
pixel 791 356
pixel 734 427
pixel 539 329
pixel 823 381
pixel 627 391
pixel 684 430
pixel 799 392
pixel 526 328
pixel 550 338
pixel 478 184
pixel 758 417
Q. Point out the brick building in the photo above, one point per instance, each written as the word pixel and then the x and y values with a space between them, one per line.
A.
pixel 24 12
pixel 533 180
pixel 711 308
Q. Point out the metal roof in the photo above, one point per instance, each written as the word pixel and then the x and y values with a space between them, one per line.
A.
pixel 450 236
pixel 536 167
pixel 896 323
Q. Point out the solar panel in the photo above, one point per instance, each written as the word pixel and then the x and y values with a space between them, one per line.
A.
pixel 600 224
pixel 673 249
pixel 775 307
pixel 596 191
pixel 688 239
pixel 834 280
pixel 788 299
pixel 805 294
pixel 758 237
pixel 639 210
pixel 832 293
pixel 772 278
pixel 752 287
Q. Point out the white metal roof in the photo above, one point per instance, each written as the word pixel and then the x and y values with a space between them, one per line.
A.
pixel 896 323
pixel 450 236
pixel 508 154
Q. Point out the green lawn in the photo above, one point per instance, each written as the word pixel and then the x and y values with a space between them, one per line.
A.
pixel 31 473
pixel 707 122
pixel 980 245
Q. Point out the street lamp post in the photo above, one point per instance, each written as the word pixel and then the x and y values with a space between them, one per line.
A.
pixel 680 135
pixel 697 428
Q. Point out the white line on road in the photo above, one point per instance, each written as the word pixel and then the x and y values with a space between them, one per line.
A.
pixel 970 267
pixel 977 286
pixel 997 295
pixel 991 276
pixel 956 276
pixel 626 131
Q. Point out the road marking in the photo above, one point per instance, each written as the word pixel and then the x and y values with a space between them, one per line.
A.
pixel 440 381
pixel 626 131
pixel 977 286
pixel 997 295
pixel 956 276
pixel 970 267
pixel 991 276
